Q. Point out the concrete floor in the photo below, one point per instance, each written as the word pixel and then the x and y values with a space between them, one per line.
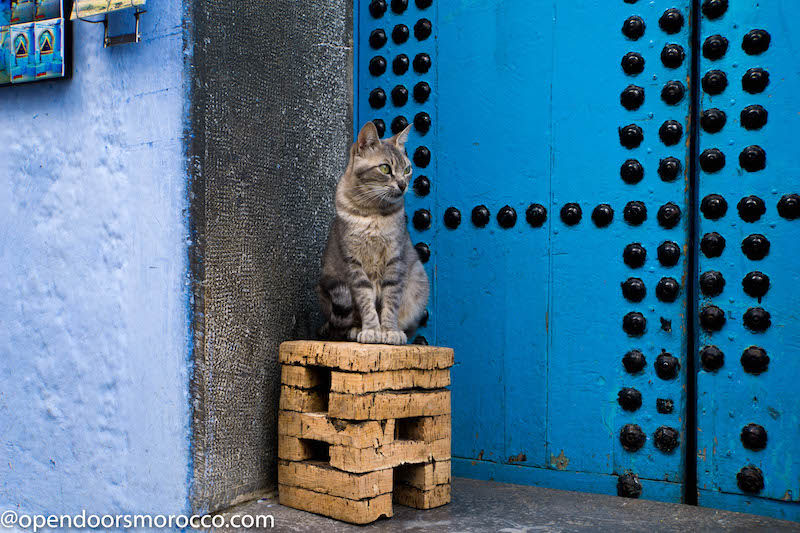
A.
pixel 485 506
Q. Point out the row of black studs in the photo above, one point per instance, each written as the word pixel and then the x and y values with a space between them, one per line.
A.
pixel 754 359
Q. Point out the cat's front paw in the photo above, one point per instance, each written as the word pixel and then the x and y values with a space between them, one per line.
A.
pixel 352 334
pixel 394 336
pixel 370 336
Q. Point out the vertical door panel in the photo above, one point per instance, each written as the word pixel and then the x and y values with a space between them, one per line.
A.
pixel 744 392
pixel 526 109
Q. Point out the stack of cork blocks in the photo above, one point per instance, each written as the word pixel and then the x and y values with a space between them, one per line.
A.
pixel 361 426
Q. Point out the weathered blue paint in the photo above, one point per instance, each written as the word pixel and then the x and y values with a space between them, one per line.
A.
pixel 93 344
pixel 731 398
pixel 527 107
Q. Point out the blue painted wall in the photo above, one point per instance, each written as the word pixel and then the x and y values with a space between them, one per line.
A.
pixel 94 408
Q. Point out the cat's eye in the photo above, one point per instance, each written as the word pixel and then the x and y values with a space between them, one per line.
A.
pixel 408 169
pixel 386 169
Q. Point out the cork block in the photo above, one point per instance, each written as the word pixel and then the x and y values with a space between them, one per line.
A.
pixel 356 357
pixel 390 404
pixel 362 425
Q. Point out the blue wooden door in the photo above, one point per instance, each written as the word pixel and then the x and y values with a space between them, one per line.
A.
pixel 555 205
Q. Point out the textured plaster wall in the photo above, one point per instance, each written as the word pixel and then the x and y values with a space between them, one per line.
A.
pixel 94 349
pixel 271 109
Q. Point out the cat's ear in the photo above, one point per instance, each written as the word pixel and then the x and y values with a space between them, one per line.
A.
pixel 367 137
pixel 400 139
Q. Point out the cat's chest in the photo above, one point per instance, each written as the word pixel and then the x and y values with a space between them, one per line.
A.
pixel 373 243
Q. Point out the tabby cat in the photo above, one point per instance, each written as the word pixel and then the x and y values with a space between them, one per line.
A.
pixel 373 288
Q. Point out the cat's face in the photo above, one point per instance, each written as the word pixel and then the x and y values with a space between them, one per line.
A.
pixel 381 169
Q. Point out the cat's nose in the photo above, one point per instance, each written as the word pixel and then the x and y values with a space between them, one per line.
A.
pixel 402 186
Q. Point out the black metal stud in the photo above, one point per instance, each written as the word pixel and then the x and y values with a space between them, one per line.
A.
pixel 424 4
pixel 715 47
pixel 668 290
pixel 754 437
pixel 714 82
pixel 536 215
pixel 671 21
pixel 507 217
pixel 755 80
pixel 667 366
pixel 399 96
pixel 634 255
pixel 714 9
pixel 634 362
pixel 377 65
pixel 632 63
pixel 635 213
pixel 712 318
pixel 422 186
pixel 423 29
pixel 422 91
pixel 380 125
pixel 672 55
pixel 753 158
pixel 631 171
pixel 400 34
pixel 712 244
pixel 750 479
pixel 789 206
pixel 400 64
pixel 422 122
pixel 419 339
pixel 633 290
pixel 756 42
pixel 751 208
pixel 670 132
pixel 422 219
pixel 711 358
pixel 422 63
pixel 714 206
pixel 571 214
pixel 666 439
pixel 632 437
pixel 673 92
pixel 634 324
pixel 712 283
pixel 422 156
pixel 669 168
pixel 753 117
pixel 423 251
pixel 755 246
pixel 633 27
pixel 424 320
pixel 712 160
pixel 669 215
pixel 632 97
pixel 377 98
pixel 480 216
pixel 602 215
pixel 669 253
pixel 629 399
pixel 664 406
pixel 757 319
pixel 377 8
pixel 631 136
pixel 452 217
pixel 399 124
pixel 755 360
pixel 713 120
pixel 399 6
pixel 756 284
pixel 628 485
pixel 377 38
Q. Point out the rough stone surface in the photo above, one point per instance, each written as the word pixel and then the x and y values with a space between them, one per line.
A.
pixel 481 506
pixel 271 112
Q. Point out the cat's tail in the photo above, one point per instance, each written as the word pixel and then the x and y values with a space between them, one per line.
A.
pixel 337 304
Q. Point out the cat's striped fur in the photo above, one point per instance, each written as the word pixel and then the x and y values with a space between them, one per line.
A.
pixel 373 288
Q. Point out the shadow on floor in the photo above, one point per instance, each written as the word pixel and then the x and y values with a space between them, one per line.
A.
pixel 486 506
